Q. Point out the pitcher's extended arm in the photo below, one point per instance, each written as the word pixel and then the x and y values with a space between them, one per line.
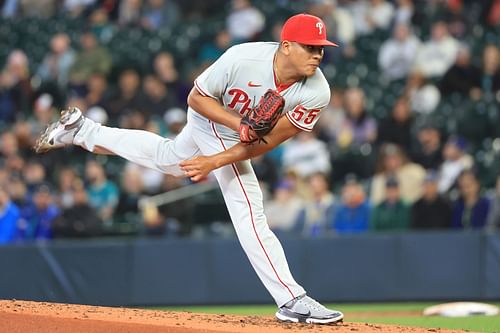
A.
pixel 199 167
pixel 212 109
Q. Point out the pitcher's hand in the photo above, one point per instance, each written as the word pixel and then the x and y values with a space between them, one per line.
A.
pixel 198 168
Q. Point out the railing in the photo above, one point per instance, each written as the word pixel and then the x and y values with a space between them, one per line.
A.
pixel 176 195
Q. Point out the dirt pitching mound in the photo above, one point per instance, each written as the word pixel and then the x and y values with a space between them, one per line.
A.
pixel 22 317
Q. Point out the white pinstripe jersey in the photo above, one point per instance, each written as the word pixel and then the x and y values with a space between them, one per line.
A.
pixel 244 73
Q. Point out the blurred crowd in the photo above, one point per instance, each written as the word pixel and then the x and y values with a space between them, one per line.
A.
pixel 378 160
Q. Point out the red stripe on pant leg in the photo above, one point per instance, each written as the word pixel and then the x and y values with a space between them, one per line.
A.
pixel 235 170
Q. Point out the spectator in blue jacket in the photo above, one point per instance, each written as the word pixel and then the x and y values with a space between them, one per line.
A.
pixel 353 213
pixel 470 209
pixel 38 217
pixel 9 215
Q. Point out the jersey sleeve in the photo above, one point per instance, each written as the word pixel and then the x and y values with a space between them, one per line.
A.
pixel 213 81
pixel 306 114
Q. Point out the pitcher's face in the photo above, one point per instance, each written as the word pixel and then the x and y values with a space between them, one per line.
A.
pixel 305 58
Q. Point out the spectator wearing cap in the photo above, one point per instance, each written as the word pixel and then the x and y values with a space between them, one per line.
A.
pixel 37 218
pixel 393 213
pixel 392 161
pixel 353 213
pixel 428 150
pixel 284 207
pixel 175 119
pixel 432 211
pixel 494 214
pixel 471 209
pixel 9 217
pixel 455 161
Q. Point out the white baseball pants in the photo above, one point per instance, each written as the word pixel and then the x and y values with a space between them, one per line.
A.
pixel 238 184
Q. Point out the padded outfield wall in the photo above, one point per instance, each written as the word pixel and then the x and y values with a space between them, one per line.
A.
pixel 389 267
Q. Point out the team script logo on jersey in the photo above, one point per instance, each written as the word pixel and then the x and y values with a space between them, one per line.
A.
pixel 240 100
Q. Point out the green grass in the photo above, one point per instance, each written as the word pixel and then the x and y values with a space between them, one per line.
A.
pixel 477 323
pixel 271 309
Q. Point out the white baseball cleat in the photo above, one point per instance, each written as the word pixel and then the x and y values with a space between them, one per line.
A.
pixel 304 309
pixel 60 133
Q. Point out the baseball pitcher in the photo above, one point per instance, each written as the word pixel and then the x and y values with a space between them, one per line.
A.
pixel 254 97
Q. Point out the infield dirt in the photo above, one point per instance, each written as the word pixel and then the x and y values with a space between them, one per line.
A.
pixel 41 317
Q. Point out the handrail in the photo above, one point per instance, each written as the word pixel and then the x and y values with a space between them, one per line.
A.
pixel 176 195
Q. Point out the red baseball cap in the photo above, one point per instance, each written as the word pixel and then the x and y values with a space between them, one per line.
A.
pixel 305 29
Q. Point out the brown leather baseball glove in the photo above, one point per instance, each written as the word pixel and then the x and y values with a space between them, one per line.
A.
pixel 260 120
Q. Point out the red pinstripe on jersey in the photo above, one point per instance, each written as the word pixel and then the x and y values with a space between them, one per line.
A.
pixel 200 89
